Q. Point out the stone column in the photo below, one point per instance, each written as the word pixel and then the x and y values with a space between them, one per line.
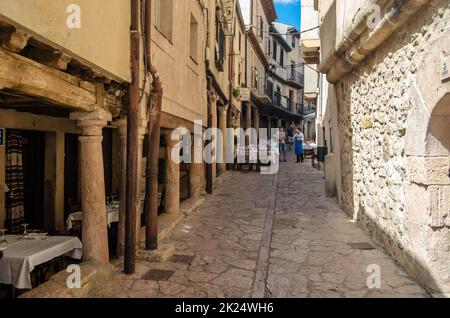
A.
pixel 95 228
pixel 256 124
pixel 172 182
pixel 214 125
pixel 196 167
pixel 279 123
pixel 248 121
pixel 223 128
pixel 141 184
pixel 122 126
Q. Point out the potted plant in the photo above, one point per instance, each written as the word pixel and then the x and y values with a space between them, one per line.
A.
pixel 236 92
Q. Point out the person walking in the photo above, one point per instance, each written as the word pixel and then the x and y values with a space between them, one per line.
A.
pixel 299 138
pixel 290 136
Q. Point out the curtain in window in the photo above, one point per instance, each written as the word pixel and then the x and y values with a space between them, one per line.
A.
pixel 15 211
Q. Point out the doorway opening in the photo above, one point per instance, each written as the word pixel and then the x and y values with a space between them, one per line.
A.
pixel 25 179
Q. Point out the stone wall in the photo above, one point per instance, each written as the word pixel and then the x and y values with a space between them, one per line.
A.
pixel 374 103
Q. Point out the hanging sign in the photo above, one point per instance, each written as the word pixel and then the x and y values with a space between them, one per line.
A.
pixel 245 94
pixel 2 136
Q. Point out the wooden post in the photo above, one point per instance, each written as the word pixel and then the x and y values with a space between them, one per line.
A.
pixel 152 169
pixel 209 165
pixel 132 145
pixel 154 135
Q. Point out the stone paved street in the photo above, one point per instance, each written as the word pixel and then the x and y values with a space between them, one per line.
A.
pixel 308 235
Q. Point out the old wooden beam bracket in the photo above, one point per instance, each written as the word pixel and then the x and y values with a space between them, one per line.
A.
pixel 17 41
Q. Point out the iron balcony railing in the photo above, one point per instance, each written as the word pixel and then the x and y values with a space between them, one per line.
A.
pixel 296 77
pixel 280 100
pixel 285 103
pixel 308 108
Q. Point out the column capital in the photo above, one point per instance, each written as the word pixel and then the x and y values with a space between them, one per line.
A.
pixel 99 114
pixel 170 142
pixel 142 130
pixel 121 124
pixel 91 123
pixel 223 109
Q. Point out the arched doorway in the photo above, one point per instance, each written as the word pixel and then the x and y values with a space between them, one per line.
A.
pixel 428 194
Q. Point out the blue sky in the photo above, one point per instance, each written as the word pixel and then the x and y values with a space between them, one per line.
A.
pixel 288 12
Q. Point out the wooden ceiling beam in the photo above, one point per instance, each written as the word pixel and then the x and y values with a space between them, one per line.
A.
pixel 17 41
pixel 52 59
pixel 26 76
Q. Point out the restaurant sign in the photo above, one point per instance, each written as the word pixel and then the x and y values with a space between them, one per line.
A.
pixel 245 94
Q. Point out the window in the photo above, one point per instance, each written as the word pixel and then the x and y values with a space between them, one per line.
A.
pixel 291 100
pixel 193 37
pixel 261 27
pixel 268 47
pixel 281 57
pixel 239 74
pixel 164 17
pixel 293 41
pixel 274 52
pixel 240 41
pixel 270 89
pixel 220 43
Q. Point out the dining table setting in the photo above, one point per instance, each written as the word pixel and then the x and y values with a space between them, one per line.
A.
pixel 21 254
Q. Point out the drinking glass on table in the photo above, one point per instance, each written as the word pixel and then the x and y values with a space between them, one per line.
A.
pixel 3 241
pixel 25 233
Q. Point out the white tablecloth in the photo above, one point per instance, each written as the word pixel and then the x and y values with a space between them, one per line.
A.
pixel 113 217
pixel 22 256
pixel 112 212
pixel 309 146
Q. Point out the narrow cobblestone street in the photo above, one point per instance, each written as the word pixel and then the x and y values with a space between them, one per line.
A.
pixel 308 235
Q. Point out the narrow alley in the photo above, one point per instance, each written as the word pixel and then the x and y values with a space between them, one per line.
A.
pixel 133 135
pixel 315 249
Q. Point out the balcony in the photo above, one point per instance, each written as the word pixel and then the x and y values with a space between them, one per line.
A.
pixel 284 102
pixel 260 90
pixel 311 51
pixel 298 108
pixel 308 108
pixel 296 78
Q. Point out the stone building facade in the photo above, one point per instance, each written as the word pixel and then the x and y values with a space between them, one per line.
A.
pixel 71 89
pixel 71 98
pixel 388 105
pixel 58 97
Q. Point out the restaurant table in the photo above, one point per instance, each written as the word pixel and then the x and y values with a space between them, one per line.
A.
pixel 112 213
pixel 111 210
pixel 23 255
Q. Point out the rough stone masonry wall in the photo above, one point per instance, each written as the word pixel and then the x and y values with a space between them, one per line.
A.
pixel 373 109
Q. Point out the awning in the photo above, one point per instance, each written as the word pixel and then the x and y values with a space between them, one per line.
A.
pixel 310 116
